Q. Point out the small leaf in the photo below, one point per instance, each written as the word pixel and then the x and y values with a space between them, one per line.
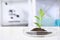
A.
pixel 41 12
pixel 38 25
pixel 37 17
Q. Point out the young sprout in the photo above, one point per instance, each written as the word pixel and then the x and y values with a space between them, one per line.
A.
pixel 39 18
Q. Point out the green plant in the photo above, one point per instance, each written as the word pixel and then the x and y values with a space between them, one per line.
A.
pixel 39 18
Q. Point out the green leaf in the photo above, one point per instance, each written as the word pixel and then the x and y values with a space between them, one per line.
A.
pixel 37 17
pixel 39 26
pixel 41 13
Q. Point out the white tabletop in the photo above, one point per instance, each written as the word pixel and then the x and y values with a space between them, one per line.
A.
pixel 16 33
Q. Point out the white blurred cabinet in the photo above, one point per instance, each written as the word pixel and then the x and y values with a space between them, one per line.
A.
pixel 15 12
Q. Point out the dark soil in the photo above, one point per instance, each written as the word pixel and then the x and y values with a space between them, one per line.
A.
pixel 38 29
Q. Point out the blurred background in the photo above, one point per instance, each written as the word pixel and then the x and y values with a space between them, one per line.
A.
pixel 17 33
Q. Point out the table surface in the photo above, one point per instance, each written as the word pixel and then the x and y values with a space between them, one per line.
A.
pixel 16 33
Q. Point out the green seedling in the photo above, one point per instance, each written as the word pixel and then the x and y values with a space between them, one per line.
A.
pixel 39 18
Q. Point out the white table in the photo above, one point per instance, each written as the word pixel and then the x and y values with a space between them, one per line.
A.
pixel 16 33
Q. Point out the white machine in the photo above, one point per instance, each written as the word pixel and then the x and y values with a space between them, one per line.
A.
pixel 15 13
